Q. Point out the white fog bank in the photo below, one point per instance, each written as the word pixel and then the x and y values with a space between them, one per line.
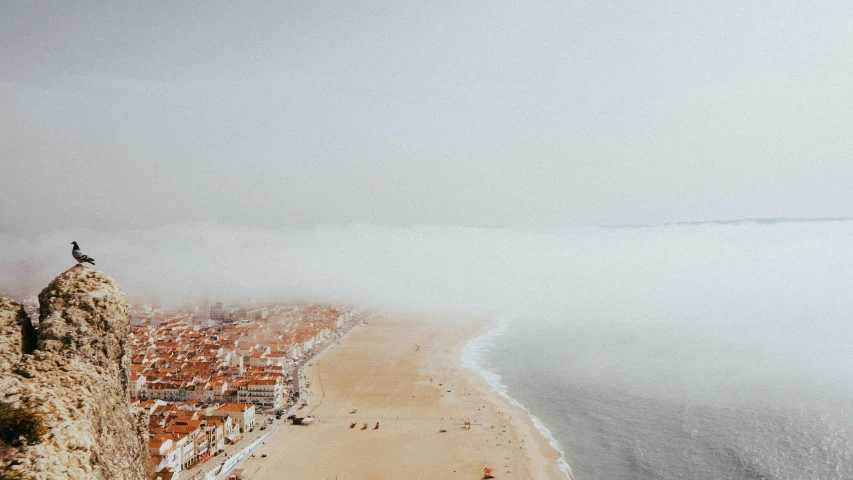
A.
pixel 784 269
pixel 746 306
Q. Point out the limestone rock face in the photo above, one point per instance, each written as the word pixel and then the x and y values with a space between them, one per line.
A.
pixel 75 374
pixel 17 333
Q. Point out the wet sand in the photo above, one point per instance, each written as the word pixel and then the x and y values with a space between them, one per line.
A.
pixel 412 393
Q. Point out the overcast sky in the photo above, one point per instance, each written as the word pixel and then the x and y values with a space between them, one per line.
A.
pixel 118 116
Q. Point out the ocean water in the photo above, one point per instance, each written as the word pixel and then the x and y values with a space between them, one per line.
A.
pixel 736 369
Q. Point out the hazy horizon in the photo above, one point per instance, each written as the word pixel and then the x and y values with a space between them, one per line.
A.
pixel 418 267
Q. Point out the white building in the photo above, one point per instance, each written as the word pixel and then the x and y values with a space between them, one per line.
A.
pixel 164 447
pixel 203 311
pixel 242 414
pixel 294 352
pixel 173 392
pixel 217 312
pixel 137 385
pixel 264 394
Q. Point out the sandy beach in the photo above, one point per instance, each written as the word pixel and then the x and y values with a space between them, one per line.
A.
pixel 412 392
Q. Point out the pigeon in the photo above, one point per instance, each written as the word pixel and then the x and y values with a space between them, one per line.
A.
pixel 80 256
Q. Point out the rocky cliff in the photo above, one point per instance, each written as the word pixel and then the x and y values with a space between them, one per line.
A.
pixel 67 383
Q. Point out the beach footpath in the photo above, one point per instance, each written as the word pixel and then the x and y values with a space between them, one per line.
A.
pixel 392 401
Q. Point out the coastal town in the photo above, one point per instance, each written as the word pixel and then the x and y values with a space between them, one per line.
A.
pixel 235 392
pixel 213 379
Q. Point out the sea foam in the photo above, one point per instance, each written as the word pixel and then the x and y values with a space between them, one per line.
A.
pixel 473 357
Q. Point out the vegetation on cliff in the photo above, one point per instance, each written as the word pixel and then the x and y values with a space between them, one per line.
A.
pixel 20 425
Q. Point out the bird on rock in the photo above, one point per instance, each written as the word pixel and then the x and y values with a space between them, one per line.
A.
pixel 80 256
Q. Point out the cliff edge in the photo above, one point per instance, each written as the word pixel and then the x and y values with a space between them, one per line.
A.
pixel 65 386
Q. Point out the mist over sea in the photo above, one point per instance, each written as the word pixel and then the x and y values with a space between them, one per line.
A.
pixel 627 412
pixel 693 351
pixel 735 367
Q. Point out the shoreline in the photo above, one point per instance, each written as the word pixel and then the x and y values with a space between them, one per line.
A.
pixel 407 375
pixel 470 359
